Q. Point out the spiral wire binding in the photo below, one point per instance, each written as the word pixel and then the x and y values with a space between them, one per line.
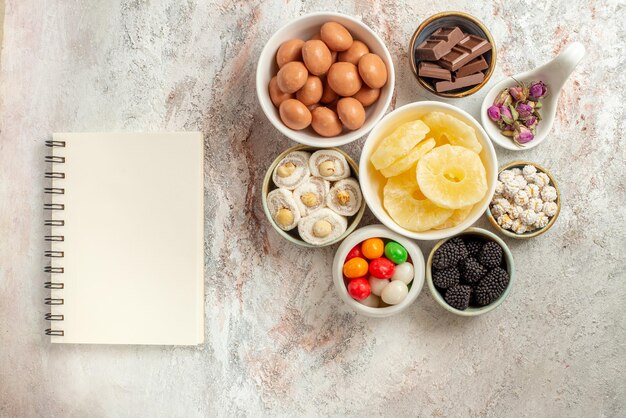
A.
pixel 52 207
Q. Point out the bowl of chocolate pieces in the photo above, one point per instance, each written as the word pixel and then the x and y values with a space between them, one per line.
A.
pixel 452 54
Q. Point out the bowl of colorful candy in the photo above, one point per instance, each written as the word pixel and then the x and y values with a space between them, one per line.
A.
pixel 312 196
pixel 471 273
pixel 378 272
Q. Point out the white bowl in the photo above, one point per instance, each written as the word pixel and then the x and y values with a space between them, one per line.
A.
pixel 304 28
pixel 361 235
pixel 372 182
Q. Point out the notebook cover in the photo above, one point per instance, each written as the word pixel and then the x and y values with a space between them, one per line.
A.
pixel 133 238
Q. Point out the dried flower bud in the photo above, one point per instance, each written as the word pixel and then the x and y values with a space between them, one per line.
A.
pixel 505 113
pixel 523 135
pixel 524 110
pixel 537 89
pixel 531 122
pixel 494 113
pixel 503 98
pixel 514 113
pixel 518 93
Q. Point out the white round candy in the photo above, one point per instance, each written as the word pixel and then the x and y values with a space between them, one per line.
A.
pixel 548 194
pixel 372 301
pixel 377 285
pixel 394 292
pixel 404 272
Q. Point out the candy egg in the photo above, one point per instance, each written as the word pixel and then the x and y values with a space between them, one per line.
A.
pixel 354 252
pixel 382 268
pixel 317 57
pixel 354 53
pixel 351 113
pixel 378 285
pixel 404 272
pixel 294 114
pixel 344 78
pixel 396 252
pixel 288 51
pixel 394 292
pixel 336 36
pixel 373 248
pixel 355 267
pixel 367 96
pixel 359 288
pixel 311 92
pixel 372 70
pixel 328 95
pixel 276 95
pixel 292 77
pixel 372 301
pixel 325 122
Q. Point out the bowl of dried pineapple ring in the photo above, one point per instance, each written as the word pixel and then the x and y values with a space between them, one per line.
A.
pixel 428 170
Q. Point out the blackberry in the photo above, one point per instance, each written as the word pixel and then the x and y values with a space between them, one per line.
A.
pixel 491 287
pixel 444 279
pixel 473 247
pixel 491 255
pixel 463 253
pixel 458 296
pixel 448 255
pixel 471 270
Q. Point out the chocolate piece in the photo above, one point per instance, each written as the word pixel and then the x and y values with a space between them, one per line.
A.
pixel 438 44
pixel 459 83
pixel 432 70
pixel 472 67
pixel 466 50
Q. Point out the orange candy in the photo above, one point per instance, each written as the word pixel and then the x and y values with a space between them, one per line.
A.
pixel 373 248
pixel 355 267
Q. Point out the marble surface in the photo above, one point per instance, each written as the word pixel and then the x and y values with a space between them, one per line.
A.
pixel 278 339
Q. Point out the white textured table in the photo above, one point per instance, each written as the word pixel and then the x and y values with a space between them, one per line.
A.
pixel 278 340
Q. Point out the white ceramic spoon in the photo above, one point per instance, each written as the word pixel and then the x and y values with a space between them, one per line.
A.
pixel 554 73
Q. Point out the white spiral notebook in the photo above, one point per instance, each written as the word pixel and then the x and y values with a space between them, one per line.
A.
pixel 124 216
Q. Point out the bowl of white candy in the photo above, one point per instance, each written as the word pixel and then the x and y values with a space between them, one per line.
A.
pixel 312 196
pixel 526 202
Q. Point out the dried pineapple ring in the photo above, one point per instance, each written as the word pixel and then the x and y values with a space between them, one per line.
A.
pixel 329 164
pixel 345 197
pixel 283 208
pixel 292 170
pixel 456 131
pixel 311 195
pixel 408 207
pixel 408 161
pixel 452 177
pixel 398 143
pixel 458 216
pixel 314 227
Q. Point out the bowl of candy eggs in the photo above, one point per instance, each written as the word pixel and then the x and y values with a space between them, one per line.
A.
pixel 526 202
pixel 324 79
pixel 378 272
pixel 428 170
pixel 312 196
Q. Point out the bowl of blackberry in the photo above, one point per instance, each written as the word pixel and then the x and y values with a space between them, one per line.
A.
pixel 471 273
